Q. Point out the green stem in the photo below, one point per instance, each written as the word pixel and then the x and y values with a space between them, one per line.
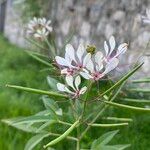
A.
pixel 64 135
pixel 140 90
pixel 104 107
pixel 65 123
pixel 141 80
pixel 122 80
pixel 108 125
pixel 85 100
pixel 136 100
pixel 37 91
pixel 118 119
pixel 126 106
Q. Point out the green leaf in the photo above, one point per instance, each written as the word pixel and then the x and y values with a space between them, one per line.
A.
pixel 52 83
pixel 51 105
pixel 104 139
pixel 101 143
pixel 34 119
pixel 22 127
pixel 114 147
pixel 37 91
pixel 35 140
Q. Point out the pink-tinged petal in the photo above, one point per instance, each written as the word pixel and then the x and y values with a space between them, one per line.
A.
pixel 83 90
pixel 86 59
pixel 90 66
pixel 69 81
pixel 106 48
pixel 80 51
pixel 99 60
pixel 64 71
pixel 70 53
pixel 61 87
pixel 112 44
pixel 122 49
pixel 68 91
pixel 85 75
pixel 63 62
pixel 111 65
pixel 77 81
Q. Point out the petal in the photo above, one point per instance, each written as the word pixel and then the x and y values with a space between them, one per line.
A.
pixel 68 91
pixel 85 75
pixel 111 65
pixel 61 87
pixel 122 49
pixel 77 81
pixel 70 53
pixel 64 71
pixel 69 81
pixel 112 44
pixel 63 62
pixel 86 59
pixel 90 66
pixel 106 48
pixel 80 52
pixel 99 60
pixel 83 90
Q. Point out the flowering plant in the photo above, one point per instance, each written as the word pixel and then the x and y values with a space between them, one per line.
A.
pixel 85 103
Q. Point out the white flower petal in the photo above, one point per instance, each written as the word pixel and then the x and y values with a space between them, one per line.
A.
pixel 80 52
pixel 68 91
pixel 106 48
pixel 69 81
pixel 61 87
pixel 86 59
pixel 85 75
pixel 63 62
pixel 90 66
pixel 112 44
pixel 111 65
pixel 83 90
pixel 122 48
pixel 70 53
pixel 99 60
pixel 77 81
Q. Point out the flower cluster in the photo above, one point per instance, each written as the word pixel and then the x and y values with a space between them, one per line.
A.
pixel 146 19
pixel 39 28
pixel 92 66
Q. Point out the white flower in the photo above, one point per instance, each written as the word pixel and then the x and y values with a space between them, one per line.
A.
pixel 74 61
pixel 39 27
pixel 111 51
pixel 96 67
pixel 146 19
pixel 72 86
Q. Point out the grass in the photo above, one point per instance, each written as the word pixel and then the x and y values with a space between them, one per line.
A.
pixel 16 67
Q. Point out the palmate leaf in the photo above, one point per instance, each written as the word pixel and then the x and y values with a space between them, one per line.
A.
pixel 35 140
pixel 101 143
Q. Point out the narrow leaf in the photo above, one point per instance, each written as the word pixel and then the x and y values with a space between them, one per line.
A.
pixel 135 100
pixel 140 90
pixel 52 82
pixel 145 80
pixel 109 125
pixel 35 140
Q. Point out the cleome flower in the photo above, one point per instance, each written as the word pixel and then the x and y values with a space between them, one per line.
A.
pixel 39 28
pixel 146 19
pixel 96 68
pixel 72 86
pixel 74 61
pixel 111 51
